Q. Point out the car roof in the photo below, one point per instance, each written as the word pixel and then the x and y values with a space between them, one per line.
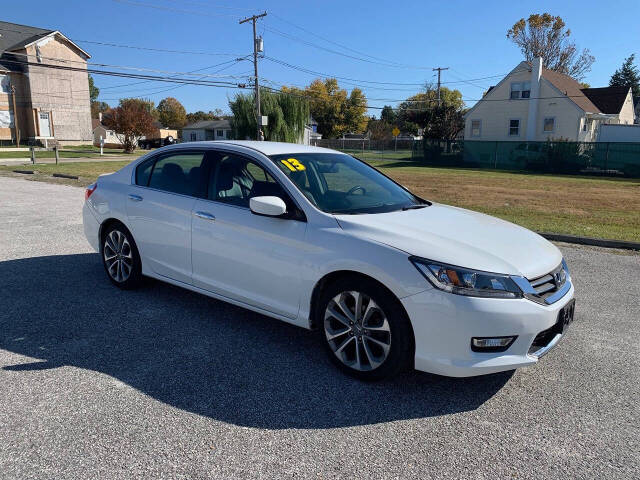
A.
pixel 268 148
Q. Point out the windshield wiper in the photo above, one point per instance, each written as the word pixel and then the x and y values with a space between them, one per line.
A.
pixel 414 207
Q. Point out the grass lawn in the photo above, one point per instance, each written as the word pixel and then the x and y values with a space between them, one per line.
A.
pixel 590 206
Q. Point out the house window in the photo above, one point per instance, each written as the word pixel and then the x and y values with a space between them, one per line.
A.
pixel 514 128
pixel 584 126
pixel 193 137
pixel 520 90
pixel 476 128
pixel 5 84
pixel 549 125
pixel 220 133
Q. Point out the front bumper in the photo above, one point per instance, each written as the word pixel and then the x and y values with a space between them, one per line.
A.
pixel 443 325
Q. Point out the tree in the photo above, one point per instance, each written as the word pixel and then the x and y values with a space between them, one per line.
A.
pixel 379 129
pixel 171 113
pixel 627 76
pixel 335 111
pixel 418 110
pixel 388 115
pixel 93 90
pixel 216 114
pixel 288 114
pixel 98 107
pixel 546 36
pixel 443 122
pixel 130 120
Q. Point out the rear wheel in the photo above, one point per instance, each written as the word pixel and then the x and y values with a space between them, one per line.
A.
pixel 120 257
pixel 364 328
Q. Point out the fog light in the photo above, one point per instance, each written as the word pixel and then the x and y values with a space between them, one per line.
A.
pixel 491 344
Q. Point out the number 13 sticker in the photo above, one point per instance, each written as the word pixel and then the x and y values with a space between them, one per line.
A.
pixel 293 164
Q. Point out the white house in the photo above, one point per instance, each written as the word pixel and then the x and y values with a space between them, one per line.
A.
pixel 100 132
pixel 533 103
pixel 207 130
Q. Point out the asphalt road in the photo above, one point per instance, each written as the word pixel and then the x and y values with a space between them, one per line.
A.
pixel 164 383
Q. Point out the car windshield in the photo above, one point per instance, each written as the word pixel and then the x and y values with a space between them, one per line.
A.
pixel 341 184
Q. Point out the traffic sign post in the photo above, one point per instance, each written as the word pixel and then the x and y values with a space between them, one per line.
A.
pixel 395 132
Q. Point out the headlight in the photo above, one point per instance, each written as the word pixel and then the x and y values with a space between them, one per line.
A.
pixel 464 281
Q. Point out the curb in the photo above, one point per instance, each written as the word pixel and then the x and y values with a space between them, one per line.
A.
pixel 25 172
pixel 597 242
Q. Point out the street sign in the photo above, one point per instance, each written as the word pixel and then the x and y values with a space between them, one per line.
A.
pixel 264 120
pixel 395 131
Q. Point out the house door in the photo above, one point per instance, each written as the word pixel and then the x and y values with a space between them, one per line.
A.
pixel 45 125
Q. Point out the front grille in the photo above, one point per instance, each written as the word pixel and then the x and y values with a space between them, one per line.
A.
pixel 545 286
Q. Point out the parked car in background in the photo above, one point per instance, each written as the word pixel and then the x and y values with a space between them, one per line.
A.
pixel 161 137
pixel 319 239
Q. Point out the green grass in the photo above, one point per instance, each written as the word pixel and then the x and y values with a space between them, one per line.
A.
pixel 590 206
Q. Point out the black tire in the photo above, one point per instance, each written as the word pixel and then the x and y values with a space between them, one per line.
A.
pixel 127 254
pixel 401 347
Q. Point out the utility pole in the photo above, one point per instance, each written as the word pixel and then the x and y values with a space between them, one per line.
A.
pixel 439 69
pixel 15 116
pixel 255 70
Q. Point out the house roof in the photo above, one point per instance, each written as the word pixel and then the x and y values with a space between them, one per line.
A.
pixel 607 99
pixel 571 88
pixel 209 125
pixel 94 123
pixel 14 36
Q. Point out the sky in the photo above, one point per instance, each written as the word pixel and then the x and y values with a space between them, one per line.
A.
pixel 395 44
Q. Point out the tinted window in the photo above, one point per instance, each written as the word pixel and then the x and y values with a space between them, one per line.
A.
pixel 143 172
pixel 234 180
pixel 339 183
pixel 180 173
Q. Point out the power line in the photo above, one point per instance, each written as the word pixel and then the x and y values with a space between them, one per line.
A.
pixel 171 9
pixel 391 63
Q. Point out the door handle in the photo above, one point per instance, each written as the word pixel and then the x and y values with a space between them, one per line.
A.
pixel 205 216
pixel 135 198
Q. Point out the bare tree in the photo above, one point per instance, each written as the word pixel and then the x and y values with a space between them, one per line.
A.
pixel 546 36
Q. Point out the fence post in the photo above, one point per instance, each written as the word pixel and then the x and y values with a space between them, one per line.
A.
pixel 606 157
pixel 55 149
pixel 495 157
pixel 33 155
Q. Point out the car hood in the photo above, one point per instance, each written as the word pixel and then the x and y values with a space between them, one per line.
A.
pixel 459 237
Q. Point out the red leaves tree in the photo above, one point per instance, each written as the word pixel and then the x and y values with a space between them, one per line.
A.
pixel 130 120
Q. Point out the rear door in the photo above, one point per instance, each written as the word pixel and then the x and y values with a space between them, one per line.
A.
pixel 250 258
pixel 159 207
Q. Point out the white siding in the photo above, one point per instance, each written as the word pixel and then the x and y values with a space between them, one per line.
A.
pixel 496 110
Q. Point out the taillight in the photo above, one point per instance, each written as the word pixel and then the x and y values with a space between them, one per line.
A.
pixel 90 189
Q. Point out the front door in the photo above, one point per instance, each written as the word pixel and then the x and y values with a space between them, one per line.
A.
pixel 246 257
pixel 45 124
pixel 159 208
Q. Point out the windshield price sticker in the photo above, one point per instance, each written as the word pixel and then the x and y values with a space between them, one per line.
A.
pixel 293 164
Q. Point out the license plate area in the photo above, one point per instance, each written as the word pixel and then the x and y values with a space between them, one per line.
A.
pixel 566 315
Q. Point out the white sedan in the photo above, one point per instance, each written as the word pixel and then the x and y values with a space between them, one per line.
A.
pixel 319 239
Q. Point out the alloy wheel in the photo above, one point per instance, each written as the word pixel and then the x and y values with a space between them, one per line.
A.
pixel 357 330
pixel 118 256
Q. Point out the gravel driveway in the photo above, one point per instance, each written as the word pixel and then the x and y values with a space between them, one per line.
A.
pixel 164 383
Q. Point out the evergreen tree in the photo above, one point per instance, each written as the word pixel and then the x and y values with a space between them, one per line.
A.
pixel 627 76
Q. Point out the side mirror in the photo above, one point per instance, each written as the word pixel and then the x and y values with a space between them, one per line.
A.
pixel 268 206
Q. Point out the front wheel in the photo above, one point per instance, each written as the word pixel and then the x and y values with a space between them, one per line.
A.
pixel 120 257
pixel 364 328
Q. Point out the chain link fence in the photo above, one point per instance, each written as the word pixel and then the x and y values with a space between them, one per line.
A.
pixel 366 149
pixel 576 158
